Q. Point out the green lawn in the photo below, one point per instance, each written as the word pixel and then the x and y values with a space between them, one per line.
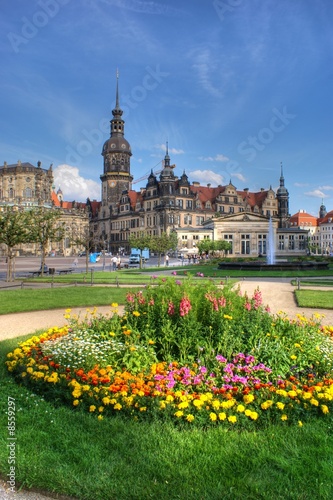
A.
pixel 63 451
pixel 13 301
pixel 315 298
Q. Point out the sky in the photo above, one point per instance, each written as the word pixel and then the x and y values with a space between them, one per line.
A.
pixel 236 88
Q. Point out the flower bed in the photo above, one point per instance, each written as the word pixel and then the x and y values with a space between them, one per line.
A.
pixel 178 353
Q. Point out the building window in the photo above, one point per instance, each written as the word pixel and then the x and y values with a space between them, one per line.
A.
pixel 231 210
pixel 188 203
pixel 184 191
pixel 291 245
pixel 245 244
pixel 179 203
pixel 199 220
pixel 229 237
pixel 221 209
pixel 262 249
pixel 281 242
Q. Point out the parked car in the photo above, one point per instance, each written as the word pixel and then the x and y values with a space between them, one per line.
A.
pixel 82 254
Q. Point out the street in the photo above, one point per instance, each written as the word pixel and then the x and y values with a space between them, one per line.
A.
pixel 24 265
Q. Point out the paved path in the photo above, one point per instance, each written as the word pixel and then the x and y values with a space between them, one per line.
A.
pixel 278 295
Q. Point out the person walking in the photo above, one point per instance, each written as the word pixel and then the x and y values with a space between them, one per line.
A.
pixel 114 262
pixel 167 260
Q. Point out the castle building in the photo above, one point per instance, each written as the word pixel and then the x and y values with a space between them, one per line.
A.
pixel 171 203
pixel 26 186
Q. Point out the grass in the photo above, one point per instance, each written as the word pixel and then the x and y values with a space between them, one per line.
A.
pixel 72 453
pixel 14 301
pixel 314 282
pixel 315 298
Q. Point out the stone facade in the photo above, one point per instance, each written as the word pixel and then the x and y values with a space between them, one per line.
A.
pixel 26 186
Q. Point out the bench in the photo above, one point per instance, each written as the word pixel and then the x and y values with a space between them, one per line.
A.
pixel 35 273
pixel 65 271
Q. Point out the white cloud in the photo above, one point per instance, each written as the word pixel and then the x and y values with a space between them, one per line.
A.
pixel 73 185
pixel 316 193
pixel 172 151
pixel 207 176
pixel 300 184
pixel 326 188
pixel 238 176
pixel 218 157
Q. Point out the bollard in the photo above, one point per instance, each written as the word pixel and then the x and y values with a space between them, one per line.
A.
pixel 92 279
pixel 117 282
pixel 21 285
pixel 298 283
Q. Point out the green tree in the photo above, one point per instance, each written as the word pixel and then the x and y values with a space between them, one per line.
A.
pixel 45 227
pixel 140 242
pixel 14 230
pixel 164 243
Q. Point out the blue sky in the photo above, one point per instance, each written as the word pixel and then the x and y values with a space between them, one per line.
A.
pixel 235 86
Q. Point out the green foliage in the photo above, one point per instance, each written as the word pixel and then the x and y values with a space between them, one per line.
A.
pixel 186 318
pixel 14 230
pixel 45 227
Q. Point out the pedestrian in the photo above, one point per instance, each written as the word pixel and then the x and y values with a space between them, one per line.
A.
pixel 167 260
pixel 114 262
pixel 119 262
pixel 75 262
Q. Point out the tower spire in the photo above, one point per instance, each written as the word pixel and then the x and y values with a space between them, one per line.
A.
pixel 117 93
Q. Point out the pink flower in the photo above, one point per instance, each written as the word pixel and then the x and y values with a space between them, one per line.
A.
pixel 171 308
pixel 248 306
pixel 184 306
pixel 174 273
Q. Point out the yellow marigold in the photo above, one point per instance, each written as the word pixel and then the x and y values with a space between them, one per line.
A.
pixel 266 404
pixel 178 394
pixel 169 398
pixel 300 423
pixel 117 406
pixel 190 417
pixel 162 405
pixel 151 342
pixel 282 392
pixel 324 409
pixel 183 405
pixel 100 417
pixel 248 398
pixel 92 408
pixel 179 413
pixel 232 419
pixel 213 416
pixel 114 304
pixel 222 415
pixel 226 316
pixel 284 417
pixel 198 403
pixel 101 409
pixel 254 415
pixel 106 401
pixel 216 404
pixel 76 393
pixel 136 313
pixel 280 405
pixel 292 394
pixel 76 402
pixel 307 395
pixel 314 402
pixel 240 408
pixel 293 357
pixel 143 408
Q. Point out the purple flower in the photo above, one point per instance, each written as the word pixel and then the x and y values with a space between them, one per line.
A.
pixel 220 358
